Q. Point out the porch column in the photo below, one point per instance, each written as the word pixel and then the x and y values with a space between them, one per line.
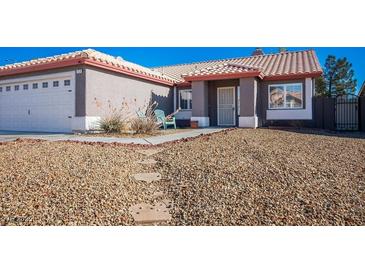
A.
pixel 248 101
pixel 200 103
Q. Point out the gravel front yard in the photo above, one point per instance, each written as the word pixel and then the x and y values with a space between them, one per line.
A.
pixel 238 177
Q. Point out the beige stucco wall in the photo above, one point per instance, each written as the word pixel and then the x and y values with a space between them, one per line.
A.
pixel 106 91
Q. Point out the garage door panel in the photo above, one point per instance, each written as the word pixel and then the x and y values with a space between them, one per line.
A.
pixel 44 109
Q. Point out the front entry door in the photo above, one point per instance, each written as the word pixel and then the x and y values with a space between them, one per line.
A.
pixel 226 106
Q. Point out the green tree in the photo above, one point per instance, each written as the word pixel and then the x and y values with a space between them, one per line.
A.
pixel 321 89
pixel 338 78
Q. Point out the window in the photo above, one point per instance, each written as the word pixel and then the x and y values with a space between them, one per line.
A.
pixel 16 87
pixel 185 101
pixel 45 85
pixel 55 83
pixel 35 85
pixel 1 89
pixel 25 87
pixel 67 82
pixel 286 96
pixel 8 88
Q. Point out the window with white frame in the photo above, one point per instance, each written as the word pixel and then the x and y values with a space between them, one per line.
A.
pixel 8 88
pixel 286 96
pixel 185 99
pixel 67 83
pixel 35 85
pixel 1 89
pixel 45 85
pixel 16 87
pixel 25 87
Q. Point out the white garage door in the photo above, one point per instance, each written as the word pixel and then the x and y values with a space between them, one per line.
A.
pixel 44 104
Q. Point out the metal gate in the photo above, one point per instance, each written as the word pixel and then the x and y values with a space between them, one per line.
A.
pixel 347 112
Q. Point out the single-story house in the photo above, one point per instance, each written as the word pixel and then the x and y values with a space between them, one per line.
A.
pixel 70 92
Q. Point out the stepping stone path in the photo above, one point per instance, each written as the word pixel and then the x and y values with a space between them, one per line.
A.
pixel 149 152
pixel 147 177
pixel 145 213
pixel 147 162
pixel 168 203
pixel 157 194
pixel 148 214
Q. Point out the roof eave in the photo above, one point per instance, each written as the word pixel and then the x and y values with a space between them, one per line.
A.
pixel 362 90
pixel 80 61
pixel 41 67
pixel 294 76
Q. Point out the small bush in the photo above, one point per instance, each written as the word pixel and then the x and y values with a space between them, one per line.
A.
pixel 113 123
pixel 146 124
pixel 143 125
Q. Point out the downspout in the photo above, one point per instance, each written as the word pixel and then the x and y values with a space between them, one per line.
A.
pixel 174 98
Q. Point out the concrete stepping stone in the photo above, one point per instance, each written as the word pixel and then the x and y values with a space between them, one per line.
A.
pixel 157 194
pixel 148 214
pixel 147 162
pixel 147 177
pixel 168 203
pixel 149 152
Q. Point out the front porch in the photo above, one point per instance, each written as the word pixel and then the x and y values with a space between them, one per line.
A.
pixel 225 95
pixel 225 102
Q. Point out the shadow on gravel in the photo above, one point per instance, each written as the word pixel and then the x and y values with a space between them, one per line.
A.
pixel 342 134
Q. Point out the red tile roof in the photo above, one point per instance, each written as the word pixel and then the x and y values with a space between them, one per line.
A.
pixel 272 66
pixel 268 66
pixel 222 71
pixel 89 57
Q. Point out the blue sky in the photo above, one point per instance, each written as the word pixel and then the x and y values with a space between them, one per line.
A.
pixel 167 56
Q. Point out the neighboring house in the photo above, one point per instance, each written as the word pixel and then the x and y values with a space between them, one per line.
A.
pixel 72 91
pixel 362 90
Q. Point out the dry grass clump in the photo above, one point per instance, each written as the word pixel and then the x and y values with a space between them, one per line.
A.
pixel 146 124
pixel 143 125
pixel 113 123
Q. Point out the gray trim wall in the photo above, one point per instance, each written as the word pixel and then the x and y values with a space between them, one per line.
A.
pixel 80 96
pixel 200 98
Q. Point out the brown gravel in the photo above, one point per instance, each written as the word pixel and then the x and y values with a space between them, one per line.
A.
pixel 239 177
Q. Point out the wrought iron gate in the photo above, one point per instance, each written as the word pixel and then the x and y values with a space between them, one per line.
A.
pixel 347 112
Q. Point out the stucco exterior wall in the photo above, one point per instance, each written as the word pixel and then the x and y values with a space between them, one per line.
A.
pixel 248 102
pixel 105 91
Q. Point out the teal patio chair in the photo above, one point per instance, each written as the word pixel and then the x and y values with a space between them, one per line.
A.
pixel 140 114
pixel 161 118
